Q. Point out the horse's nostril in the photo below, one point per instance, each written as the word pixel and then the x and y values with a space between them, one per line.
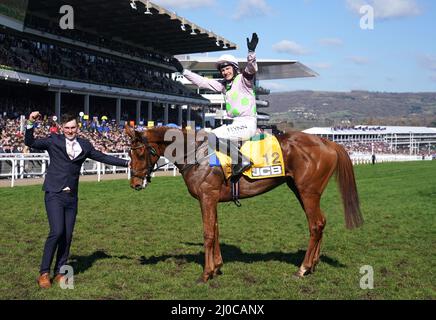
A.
pixel 138 187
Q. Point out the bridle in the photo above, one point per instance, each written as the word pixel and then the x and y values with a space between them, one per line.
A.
pixel 151 152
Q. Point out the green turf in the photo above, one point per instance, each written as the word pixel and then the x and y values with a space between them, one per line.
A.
pixel 148 245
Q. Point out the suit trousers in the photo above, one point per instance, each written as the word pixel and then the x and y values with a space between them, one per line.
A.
pixel 61 210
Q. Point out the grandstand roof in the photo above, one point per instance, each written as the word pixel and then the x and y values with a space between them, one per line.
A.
pixel 269 69
pixel 117 19
pixel 362 129
pixel 71 86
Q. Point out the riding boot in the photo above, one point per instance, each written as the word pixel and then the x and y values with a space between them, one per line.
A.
pixel 230 148
pixel 242 163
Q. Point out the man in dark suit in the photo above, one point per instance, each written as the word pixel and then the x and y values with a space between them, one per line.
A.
pixel 67 153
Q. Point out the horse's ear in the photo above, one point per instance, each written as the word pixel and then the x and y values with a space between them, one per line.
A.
pixel 130 132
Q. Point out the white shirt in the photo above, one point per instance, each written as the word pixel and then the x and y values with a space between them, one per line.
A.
pixel 73 148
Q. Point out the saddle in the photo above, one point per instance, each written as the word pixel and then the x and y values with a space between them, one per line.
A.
pixel 263 160
pixel 264 152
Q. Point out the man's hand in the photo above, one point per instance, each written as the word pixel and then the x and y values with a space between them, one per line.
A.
pixel 176 63
pixel 252 44
pixel 35 115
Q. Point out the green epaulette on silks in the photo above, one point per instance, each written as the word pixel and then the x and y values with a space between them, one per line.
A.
pixel 259 137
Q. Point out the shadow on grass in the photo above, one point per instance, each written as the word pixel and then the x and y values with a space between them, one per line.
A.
pixel 232 253
pixel 82 263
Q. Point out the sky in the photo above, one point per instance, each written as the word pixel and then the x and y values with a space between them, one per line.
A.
pixel 394 52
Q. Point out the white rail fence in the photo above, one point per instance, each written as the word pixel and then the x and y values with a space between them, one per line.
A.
pixel 18 166
pixel 362 158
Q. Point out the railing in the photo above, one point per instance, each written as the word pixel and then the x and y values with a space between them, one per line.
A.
pixel 366 158
pixel 18 166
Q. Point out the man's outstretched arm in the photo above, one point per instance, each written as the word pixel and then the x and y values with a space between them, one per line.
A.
pixel 29 139
pixel 198 80
pixel 111 160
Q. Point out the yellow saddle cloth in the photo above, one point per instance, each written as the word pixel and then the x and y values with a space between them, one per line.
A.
pixel 265 154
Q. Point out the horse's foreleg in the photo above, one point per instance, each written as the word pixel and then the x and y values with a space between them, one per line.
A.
pixel 317 222
pixel 209 215
pixel 218 259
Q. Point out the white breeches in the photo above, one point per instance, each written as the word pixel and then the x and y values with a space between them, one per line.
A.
pixel 242 128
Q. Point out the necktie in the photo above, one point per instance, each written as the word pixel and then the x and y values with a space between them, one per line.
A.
pixel 70 150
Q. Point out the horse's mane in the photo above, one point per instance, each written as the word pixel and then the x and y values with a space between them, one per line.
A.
pixel 158 133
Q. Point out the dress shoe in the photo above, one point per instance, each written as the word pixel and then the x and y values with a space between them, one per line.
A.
pixel 44 281
pixel 58 278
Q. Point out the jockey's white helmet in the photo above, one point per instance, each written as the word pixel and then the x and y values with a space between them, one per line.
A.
pixel 227 60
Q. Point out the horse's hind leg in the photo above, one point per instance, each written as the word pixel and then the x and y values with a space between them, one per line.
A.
pixel 317 222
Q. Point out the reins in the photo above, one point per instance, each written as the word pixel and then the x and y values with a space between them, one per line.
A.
pixel 153 152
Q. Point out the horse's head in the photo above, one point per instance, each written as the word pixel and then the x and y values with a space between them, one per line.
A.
pixel 143 158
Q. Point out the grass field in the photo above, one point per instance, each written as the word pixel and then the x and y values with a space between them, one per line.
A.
pixel 148 245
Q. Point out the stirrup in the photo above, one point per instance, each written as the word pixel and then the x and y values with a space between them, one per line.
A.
pixel 239 169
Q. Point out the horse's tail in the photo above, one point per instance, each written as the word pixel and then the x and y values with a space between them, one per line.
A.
pixel 348 188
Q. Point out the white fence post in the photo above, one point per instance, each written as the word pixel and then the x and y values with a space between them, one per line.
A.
pixel 43 167
pixel 98 171
pixel 21 169
pixel 13 173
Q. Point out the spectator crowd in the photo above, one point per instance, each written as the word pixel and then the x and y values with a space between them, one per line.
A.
pixel 109 137
pixel 381 147
pixel 71 63
pixel 367 147
pixel 105 135
pixel 100 41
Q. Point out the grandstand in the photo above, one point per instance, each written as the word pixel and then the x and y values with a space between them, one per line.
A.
pixel 381 139
pixel 114 65
pixel 115 62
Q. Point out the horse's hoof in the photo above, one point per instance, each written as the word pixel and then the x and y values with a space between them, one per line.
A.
pixel 300 274
pixel 297 276
pixel 218 273
pixel 204 279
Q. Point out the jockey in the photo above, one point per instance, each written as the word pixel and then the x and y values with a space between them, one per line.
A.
pixel 238 88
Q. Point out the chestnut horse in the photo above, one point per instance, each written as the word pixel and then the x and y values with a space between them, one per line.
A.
pixel 310 161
